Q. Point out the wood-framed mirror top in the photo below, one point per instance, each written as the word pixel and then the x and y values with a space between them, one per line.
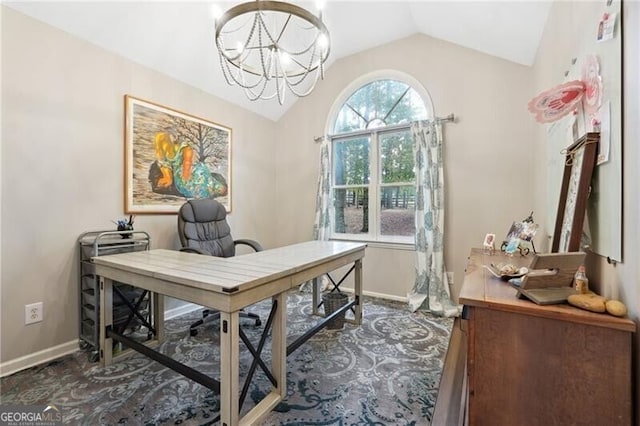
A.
pixel 580 161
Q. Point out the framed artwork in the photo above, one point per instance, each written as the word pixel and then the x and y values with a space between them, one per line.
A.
pixel 579 163
pixel 519 233
pixel 171 157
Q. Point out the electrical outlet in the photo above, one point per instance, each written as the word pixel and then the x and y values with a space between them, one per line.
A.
pixel 33 313
pixel 450 278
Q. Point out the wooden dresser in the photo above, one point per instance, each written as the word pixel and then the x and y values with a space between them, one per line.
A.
pixel 541 365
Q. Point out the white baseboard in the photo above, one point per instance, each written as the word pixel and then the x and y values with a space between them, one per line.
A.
pixel 378 295
pixel 37 358
pixel 49 354
pixel 386 296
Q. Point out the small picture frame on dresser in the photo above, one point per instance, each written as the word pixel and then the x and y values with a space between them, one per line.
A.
pixel 489 242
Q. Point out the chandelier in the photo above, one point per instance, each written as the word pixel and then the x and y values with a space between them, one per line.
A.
pixel 267 47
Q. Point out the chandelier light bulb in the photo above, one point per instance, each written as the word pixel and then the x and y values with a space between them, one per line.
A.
pixel 323 41
pixel 285 59
pixel 216 12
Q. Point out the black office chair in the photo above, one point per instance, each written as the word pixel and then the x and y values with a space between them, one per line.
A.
pixel 203 229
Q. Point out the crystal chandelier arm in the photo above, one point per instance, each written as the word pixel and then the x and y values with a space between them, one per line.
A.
pixel 308 91
pixel 307 69
pixel 238 79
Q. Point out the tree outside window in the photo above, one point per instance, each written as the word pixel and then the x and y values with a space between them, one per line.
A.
pixel 373 165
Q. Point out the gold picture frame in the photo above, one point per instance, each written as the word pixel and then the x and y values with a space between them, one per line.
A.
pixel 580 161
pixel 172 156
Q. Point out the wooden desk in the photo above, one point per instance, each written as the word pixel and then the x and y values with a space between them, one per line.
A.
pixel 541 365
pixel 228 285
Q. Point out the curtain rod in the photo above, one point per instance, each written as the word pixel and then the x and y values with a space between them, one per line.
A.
pixel 451 118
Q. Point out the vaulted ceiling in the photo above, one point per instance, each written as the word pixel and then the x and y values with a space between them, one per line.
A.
pixel 176 38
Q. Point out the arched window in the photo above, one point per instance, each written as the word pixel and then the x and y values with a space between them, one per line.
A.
pixel 378 104
pixel 372 160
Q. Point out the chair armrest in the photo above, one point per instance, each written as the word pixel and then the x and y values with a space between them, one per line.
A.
pixel 251 243
pixel 193 250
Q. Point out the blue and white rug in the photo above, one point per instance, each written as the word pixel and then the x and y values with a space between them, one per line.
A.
pixel 385 372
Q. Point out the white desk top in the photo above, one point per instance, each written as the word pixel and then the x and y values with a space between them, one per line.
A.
pixel 228 275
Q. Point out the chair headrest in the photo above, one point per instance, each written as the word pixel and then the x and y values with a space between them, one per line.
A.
pixel 203 210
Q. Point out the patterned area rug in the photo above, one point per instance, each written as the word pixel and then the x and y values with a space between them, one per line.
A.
pixel 385 372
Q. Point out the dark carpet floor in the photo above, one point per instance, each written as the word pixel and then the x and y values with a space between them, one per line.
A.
pixel 385 372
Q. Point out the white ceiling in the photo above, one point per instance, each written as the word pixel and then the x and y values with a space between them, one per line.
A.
pixel 176 37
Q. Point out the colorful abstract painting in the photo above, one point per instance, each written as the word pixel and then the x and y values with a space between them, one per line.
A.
pixel 171 157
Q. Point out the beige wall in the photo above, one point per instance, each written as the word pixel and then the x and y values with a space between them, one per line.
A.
pixel 62 161
pixel 627 279
pixel 555 53
pixel 62 169
pixel 488 173
pixel 62 149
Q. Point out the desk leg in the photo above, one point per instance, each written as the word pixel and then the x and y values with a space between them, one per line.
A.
pixel 316 290
pixel 106 320
pixel 158 316
pixel 229 368
pixel 279 345
pixel 358 292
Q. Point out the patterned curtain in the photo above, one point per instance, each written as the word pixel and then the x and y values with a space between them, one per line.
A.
pixel 322 223
pixel 431 288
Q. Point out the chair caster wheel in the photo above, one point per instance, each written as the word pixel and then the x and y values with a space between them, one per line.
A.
pixel 258 323
pixel 193 332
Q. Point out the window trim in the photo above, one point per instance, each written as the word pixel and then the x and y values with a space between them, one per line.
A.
pixel 374 234
pixel 345 94
pixel 387 244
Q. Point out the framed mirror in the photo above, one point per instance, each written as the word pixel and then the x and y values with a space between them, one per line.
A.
pixel 579 163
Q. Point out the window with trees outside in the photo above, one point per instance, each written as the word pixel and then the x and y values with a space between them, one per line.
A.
pixel 373 164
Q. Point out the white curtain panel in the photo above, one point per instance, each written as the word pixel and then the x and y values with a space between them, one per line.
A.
pixel 431 288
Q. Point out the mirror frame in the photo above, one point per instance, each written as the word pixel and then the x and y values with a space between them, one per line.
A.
pixel 574 193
